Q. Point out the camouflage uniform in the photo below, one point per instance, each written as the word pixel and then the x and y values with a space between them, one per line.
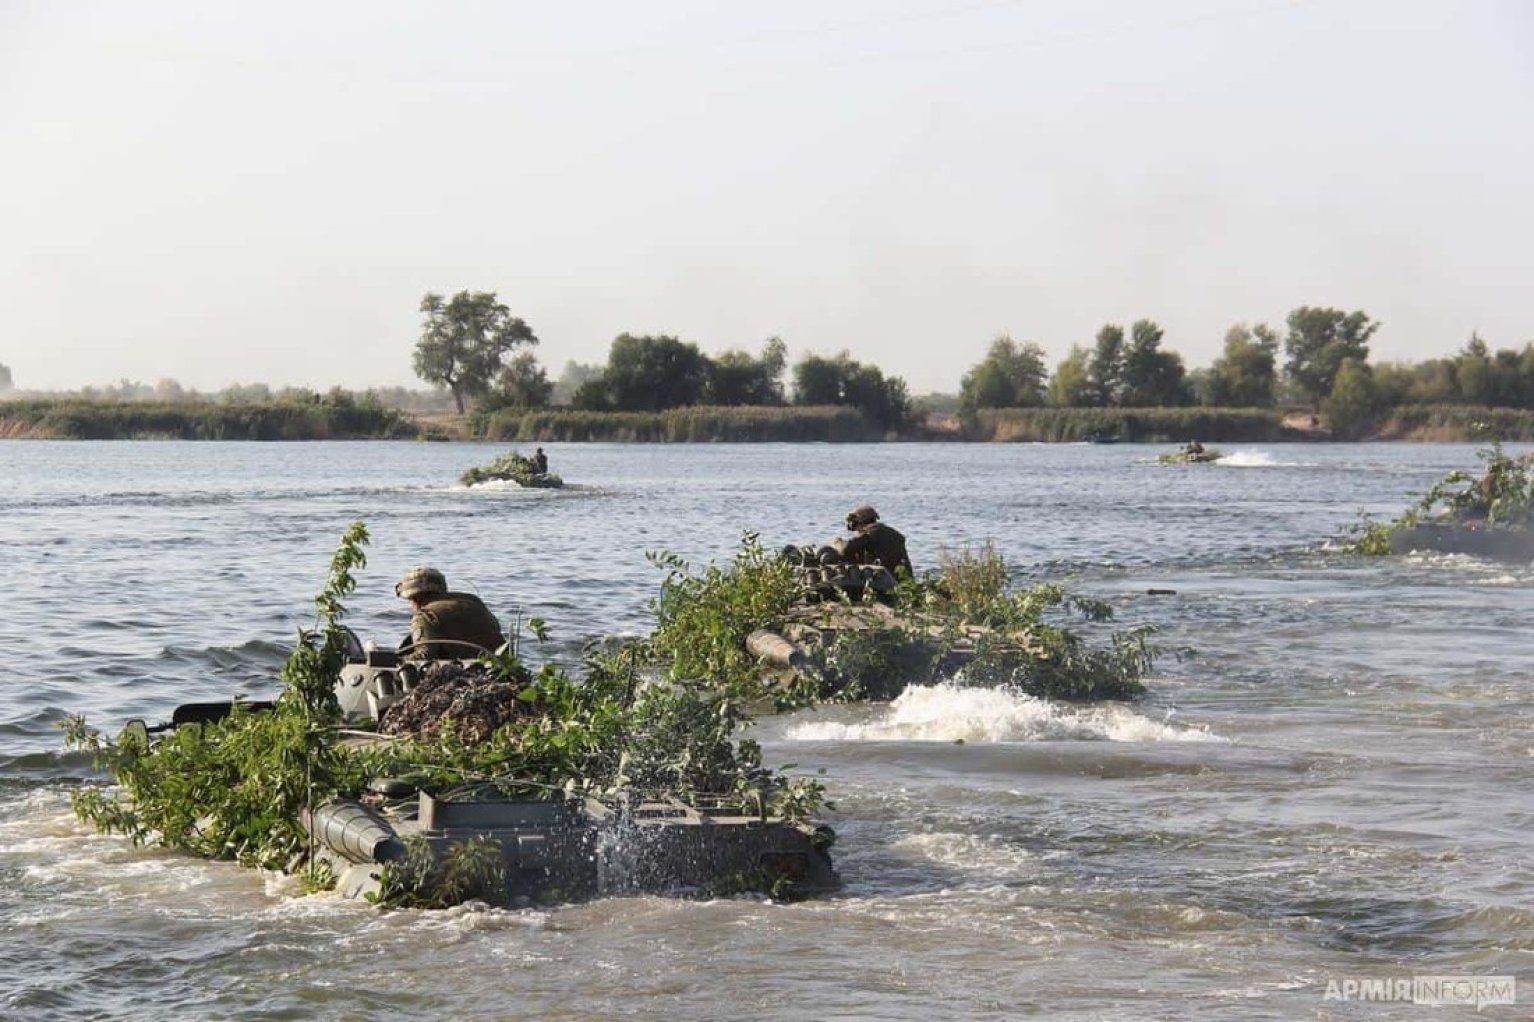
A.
pixel 458 616
pixel 877 543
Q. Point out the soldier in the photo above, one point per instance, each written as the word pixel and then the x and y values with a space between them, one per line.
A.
pixel 875 542
pixel 445 625
pixel 540 462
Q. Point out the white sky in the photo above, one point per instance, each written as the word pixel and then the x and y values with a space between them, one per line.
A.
pixel 262 192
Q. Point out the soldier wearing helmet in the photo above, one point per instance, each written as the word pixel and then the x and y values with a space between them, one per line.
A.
pixel 874 542
pixel 445 625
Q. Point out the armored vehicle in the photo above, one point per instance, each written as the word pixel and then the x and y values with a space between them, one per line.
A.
pixel 1187 457
pixel 528 850
pixel 856 633
pixel 512 467
pixel 1494 542
pixel 842 604
pixel 557 849
pixel 565 849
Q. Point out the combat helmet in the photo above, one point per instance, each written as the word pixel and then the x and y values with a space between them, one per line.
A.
pixel 418 581
pixel 863 514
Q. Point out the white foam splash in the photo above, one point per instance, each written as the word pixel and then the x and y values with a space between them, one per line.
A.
pixel 1249 459
pixel 499 486
pixel 949 713
pixel 976 853
pixel 1492 572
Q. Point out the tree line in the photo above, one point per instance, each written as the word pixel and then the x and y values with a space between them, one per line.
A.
pixel 1320 361
pixel 470 343
pixel 479 357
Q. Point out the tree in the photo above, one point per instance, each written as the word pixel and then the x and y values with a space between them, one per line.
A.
pixel 1245 375
pixel 465 340
pixel 1353 401
pixel 522 383
pixel 1473 377
pixel 736 378
pixel 883 401
pixel 1105 371
pixel 1010 376
pixel 1319 341
pixel 1152 377
pixel 592 396
pixel 818 381
pixel 842 381
pixel 648 374
pixel 5 378
pixel 1071 386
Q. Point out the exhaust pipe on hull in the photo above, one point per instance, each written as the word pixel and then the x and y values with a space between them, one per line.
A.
pixel 354 832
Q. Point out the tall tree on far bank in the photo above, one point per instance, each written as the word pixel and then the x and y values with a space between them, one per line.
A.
pixel 1071 386
pixel 646 374
pixel 736 378
pixel 1105 370
pixel 1152 377
pixel 885 402
pixel 1245 376
pixel 1319 341
pixel 1354 399
pixel 5 378
pixel 1011 375
pixel 522 383
pixel 464 342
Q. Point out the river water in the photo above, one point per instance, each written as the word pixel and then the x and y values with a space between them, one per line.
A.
pixel 1331 786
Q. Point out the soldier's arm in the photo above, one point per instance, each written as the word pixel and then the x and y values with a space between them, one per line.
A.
pixel 857 546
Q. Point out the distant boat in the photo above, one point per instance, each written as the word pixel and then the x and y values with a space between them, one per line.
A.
pixel 1101 438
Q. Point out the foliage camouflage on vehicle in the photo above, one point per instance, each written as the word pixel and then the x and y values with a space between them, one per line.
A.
pixel 1501 497
pixel 1009 638
pixel 511 467
pixel 237 788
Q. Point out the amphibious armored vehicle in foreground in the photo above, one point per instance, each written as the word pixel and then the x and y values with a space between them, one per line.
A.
pixel 555 849
pixel 396 835
pixel 564 849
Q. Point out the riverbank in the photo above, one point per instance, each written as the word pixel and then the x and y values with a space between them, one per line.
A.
pixel 340 418
pixel 325 418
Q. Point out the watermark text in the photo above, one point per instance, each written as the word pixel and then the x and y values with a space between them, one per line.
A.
pixel 1476 991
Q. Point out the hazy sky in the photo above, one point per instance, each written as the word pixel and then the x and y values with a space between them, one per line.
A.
pixel 226 193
